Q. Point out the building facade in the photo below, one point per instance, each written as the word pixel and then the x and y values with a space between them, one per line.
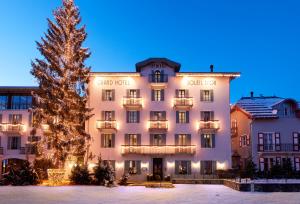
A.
pixel 266 130
pixel 160 121
pixel 16 141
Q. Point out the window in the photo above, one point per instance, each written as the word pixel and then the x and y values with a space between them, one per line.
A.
pixel 0 118
pixel 296 141
pixel 207 115
pixel 107 140
pixel 182 139
pixel 157 76
pixel 133 93
pixel 181 93
pixel 208 167
pixel 3 102
pixel 15 118
pixel 108 95
pixel 133 139
pixel 206 95
pixel 133 166
pixel 21 102
pixel 157 139
pixel 108 115
pixel 133 116
pixel 182 167
pixel 208 140
pixel 243 140
pixel 14 142
pixel 157 95
pixel 182 116
pixel 157 115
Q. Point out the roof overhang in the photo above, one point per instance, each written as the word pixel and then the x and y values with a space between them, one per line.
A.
pixel 176 66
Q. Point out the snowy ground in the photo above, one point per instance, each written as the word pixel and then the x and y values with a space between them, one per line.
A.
pixel 181 194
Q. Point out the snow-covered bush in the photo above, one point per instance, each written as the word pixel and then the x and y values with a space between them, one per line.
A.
pixel 80 175
pixel 104 174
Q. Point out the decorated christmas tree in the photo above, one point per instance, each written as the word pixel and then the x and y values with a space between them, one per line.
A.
pixel 61 102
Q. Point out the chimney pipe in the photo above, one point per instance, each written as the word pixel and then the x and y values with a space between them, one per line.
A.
pixel 251 94
pixel 211 68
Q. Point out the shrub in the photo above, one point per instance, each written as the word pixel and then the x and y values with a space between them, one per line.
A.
pixel 25 175
pixel 250 170
pixel 124 180
pixel 104 174
pixel 41 166
pixel 80 175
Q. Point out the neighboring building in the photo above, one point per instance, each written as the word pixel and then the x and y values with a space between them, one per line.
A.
pixel 266 129
pixel 160 121
pixel 16 141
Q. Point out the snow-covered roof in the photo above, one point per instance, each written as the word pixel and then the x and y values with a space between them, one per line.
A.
pixel 259 107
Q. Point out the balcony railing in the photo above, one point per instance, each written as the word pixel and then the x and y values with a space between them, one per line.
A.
pixel 131 102
pixel 158 124
pixel 1 151
pixel 13 128
pixel 184 102
pixel 213 125
pixel 162 149
pixel 28 150
pixel 162 78
pixel 106 124
pixel 278 148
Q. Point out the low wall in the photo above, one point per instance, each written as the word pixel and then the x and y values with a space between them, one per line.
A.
pixel 198 181
pixel 237 186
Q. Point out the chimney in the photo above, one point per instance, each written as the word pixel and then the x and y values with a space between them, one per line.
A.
pixel 211 68
pixel 251 94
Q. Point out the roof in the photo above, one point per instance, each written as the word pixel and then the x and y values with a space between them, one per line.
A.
pixel 166 61
pixel 18 89
pixel 259 107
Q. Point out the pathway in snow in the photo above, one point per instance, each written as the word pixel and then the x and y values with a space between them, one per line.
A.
pixel 216 194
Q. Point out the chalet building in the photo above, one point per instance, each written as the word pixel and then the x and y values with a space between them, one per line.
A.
pixel 16 141
pixel 160 121
pixel 267 130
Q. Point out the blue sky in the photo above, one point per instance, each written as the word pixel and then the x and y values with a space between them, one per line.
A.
pixel 260 39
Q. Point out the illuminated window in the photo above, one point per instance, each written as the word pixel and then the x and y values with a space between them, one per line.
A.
pixel 157 95
pixel 133 166
pixel 157 139
pixel 133 139
pixel 14 142
pixel 133 116
pixel 206 95
pixel 15 118
pixel 107 140
pixel 108 95
pixel 183 139
pixel 157 76
pixel 208 167
pixel 183 167
pixel 207 140
pixel 182 116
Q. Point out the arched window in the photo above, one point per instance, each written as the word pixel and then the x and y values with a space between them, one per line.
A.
pixel 157 76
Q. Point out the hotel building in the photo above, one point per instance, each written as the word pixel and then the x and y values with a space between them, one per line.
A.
pixel 16 140
pixel 266 130
pixel 161 121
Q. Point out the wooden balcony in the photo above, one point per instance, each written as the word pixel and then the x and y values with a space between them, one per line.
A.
pixel 133 103
pixel 158 125
pixel 12 128
pixel 158 150
pixel 184 103
pixel 209 126
pixel 106 125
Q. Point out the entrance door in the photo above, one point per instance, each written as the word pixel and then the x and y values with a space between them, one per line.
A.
pixel 158 169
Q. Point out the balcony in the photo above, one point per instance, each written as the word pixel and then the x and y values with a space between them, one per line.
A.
pixel 106 125
pixel 158 125
pixel 184 103
pixel 158 81
pixel 209 125
pixel 158 150
pixel 12 128
pixel 132 103
pixel 278 148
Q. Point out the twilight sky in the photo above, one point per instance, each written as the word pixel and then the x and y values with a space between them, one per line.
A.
pixel 260 39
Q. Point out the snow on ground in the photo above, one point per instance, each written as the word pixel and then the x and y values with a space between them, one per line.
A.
pixel 215 194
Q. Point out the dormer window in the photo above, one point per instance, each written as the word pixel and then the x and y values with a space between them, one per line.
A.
pixel 157 76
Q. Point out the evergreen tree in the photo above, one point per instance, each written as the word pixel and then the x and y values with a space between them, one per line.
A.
pixel 250 169
pixel 80 175
pixel 61 102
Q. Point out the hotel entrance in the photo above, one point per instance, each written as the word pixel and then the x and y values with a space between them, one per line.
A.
pixel 157 169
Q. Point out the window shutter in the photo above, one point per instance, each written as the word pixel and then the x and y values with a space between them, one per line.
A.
pixel 126 139
pixel 8 142
pixel 212 115
pixel 138 166
pixel 260 141
pixel 138 116
pixel 189 139
pixel 19 142
pixel 201 95
pixel 240 141
pixel 152 95
pixel 113 115
pixel 211 95
pixel 296 141
pixel 102 140
pixel 213 137
pixel 177 116
pixel 10 118
pixel 103 95
pixel 186 94
pixel 202 141
pixel 103 115
pixel 151 139
pixel 139 138
pixel 202 115
pixel 126 168
pixel 176 167
pixel 162 95
pixel 113 94
pixel 164 139
pixel 127 116
pixel 128 93
pixel 214 166
pixel 177 93
pixel 202 166
pixel 187 117
pixel 277 141
pixel 138 94
pixel 176 139
pixel 248 139
pixel 189 167
pixel 113 140
pixel 162 74
pixel 164 115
